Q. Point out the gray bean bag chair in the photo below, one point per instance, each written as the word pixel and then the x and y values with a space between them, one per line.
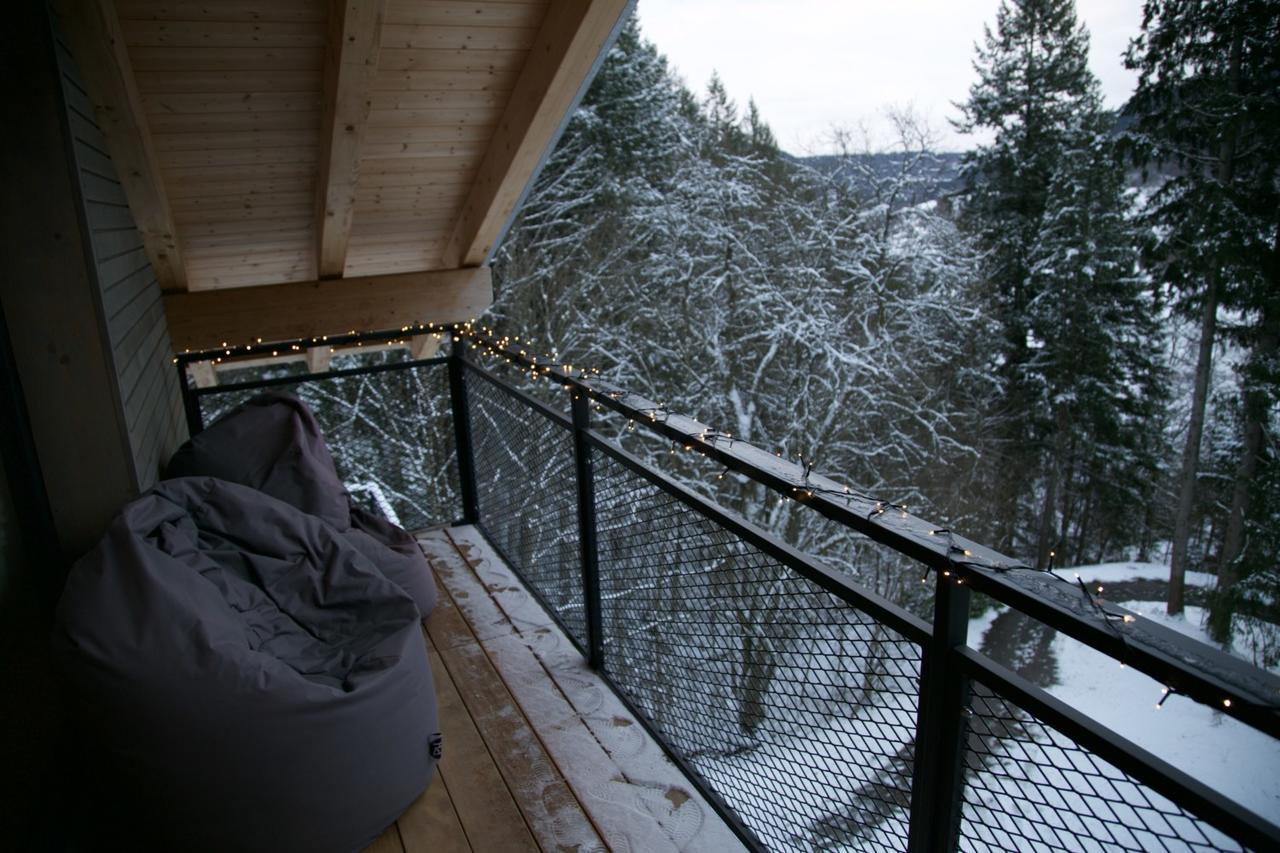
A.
pixel 256 681
pixel 274 444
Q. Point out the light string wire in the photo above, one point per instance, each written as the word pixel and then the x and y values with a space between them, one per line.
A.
pixel 486 340
pixel 961 559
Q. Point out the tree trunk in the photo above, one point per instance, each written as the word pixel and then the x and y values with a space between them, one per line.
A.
pixel 1257 406
pixel 1083 532
pixel 1045 533
pixel 1072 494
pixel 1208 320
pixel 1191 452
pixel 1223 608
pixel 1148 524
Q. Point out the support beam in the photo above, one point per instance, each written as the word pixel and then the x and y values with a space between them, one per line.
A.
pixel 52 305
pixel 564 52
pixel 318 359
pixel 234 317
pixel 423 346
pixel 93 30
pixel 204 374
pixel 350 63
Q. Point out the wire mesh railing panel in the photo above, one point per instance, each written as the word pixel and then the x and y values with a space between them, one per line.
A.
pixel 390 434
pixel 797 709
pixel 1029 787
pixel 528 496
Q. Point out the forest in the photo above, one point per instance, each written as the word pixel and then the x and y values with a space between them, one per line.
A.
pixel 1069 353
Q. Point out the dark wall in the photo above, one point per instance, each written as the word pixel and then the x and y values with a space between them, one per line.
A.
pixel 89 408
pixel 132 312
pixel 33 738
pixel 90 342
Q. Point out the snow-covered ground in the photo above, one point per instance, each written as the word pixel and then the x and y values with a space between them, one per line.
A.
pixel 1132 570
pixel 1213 748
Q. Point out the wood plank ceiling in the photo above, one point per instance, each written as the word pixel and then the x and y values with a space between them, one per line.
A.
pixel 269 142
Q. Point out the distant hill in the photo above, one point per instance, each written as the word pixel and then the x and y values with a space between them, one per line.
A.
pixel 937 175
pixel 932 177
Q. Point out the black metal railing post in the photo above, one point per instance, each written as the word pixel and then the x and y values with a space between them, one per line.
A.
pixel 190 402
pixel 941 725
pixel 587 527
pixel 462 432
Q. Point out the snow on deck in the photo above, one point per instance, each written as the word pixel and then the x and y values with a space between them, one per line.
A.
pixel 635 797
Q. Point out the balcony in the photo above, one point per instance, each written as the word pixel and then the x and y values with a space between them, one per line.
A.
pixel 540 754
pixel 603 599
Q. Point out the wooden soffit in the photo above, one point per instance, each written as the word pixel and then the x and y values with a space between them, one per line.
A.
pixel 264 143
pixel 212 319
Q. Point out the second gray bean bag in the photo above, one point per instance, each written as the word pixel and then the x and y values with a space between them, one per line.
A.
pixel 274 444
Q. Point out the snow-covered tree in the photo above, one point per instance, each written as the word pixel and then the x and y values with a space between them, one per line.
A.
pixel 707 270
pixel 1093 361
pixel 1044 200
pixel 1207 106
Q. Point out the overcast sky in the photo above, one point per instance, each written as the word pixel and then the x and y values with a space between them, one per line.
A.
pixel 812 64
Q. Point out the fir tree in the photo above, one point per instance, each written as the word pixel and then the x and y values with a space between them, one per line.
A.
pixel 1044 201
pixel 1207 107
pixel 1094 362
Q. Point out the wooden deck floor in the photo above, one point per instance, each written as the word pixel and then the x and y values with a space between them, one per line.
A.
pixel 538 753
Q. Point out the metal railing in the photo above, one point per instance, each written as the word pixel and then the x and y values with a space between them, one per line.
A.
pixel 390 428
pixel 811 713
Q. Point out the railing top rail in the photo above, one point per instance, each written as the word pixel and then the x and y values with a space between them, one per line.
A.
pixel 298 379
pixel 1182 664
pixel 233 350
pixel 907 624
pixel 1130 758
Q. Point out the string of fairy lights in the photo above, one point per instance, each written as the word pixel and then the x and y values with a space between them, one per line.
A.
pixel 524 356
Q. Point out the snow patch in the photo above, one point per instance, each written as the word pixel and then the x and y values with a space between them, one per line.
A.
pixel 1221 752
pixel 1133 570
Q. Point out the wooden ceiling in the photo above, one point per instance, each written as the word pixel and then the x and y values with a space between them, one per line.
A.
pixel 283 142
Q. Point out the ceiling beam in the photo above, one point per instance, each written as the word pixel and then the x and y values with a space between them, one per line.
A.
pixel 350 64
pixel 564 52
pixel 93 31
pixel 234 317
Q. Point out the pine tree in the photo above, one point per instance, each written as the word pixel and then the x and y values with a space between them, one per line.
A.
pixel 1094 361
pixel 1044 201
pixel 1207 107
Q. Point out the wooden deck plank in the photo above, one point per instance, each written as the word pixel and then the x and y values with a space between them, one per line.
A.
pixel 539 754
pixel 550 810
pixel 431 824
pixel 480 616
pixel 622 805
pixel 552 813
pixel 387 842
pixel 481 799
pixel 447 627
pixel 636 797
pixel 482 802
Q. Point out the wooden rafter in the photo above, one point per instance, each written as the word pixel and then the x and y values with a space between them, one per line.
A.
pixel 564 51
pixel 93 30
pixel 351 62
pixel 233 317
